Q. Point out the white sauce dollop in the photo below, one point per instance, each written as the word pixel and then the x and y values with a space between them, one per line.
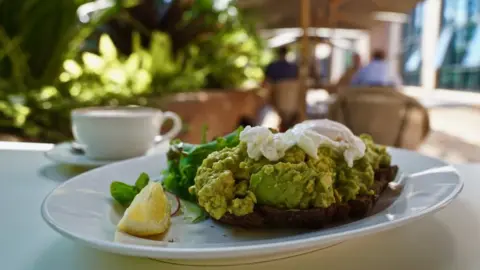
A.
pixel 308 135
pixel 262 142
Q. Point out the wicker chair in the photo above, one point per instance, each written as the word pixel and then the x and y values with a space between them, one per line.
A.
pixel 285 99
pixel 391 117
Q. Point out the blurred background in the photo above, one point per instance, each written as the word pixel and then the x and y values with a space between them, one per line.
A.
pixel 210 61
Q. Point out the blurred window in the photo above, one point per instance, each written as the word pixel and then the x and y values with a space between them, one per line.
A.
pixel 347 59
pixel 458 57
pixel 411 47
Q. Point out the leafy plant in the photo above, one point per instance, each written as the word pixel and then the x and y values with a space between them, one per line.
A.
pixel 146 71
pixel 102 79
pixel 226 37
pixel 45 72
pixel 35 38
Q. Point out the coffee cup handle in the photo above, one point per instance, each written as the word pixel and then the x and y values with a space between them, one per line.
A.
pixel 174 131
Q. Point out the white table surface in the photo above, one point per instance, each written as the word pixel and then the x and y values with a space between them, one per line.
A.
pixel 449 239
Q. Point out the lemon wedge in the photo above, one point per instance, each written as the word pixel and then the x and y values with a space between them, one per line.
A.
pixel 148 214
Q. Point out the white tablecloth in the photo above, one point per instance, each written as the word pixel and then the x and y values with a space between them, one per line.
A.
pixel 449 239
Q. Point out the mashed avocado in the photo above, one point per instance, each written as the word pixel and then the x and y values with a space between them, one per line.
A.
pixel 357 180
pixel 325 167
pixel 219 186
pixel 375 154
pixel 284 185
pixel 228 181
pixel 297 181
pixel 353 181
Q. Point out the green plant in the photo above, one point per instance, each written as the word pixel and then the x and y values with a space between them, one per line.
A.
pixel 234 59
pixel 232 49
pixel 193 46
pixel 145 71
pixel 103 79
pixel 35 38
pixel 230 46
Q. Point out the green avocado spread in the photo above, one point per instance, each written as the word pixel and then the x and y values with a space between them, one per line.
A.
pixel 228 181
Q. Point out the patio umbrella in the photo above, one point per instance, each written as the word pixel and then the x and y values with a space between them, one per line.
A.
pixel 349 14
pixel 346 14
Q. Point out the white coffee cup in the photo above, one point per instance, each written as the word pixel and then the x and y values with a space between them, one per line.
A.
pixel 114 133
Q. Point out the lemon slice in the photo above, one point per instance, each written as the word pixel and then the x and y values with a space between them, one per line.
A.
pixel 148 214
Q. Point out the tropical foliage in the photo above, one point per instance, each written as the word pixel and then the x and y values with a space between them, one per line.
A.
pixel 48 65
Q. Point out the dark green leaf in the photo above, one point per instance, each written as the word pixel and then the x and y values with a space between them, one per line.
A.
pixel 142 181
pixel 123 193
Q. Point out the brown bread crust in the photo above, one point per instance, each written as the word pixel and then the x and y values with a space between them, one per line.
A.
pixel 270 217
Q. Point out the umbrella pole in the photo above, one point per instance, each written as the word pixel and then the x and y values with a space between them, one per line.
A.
pixel 333 6
pixel 332 17
pixel 305 58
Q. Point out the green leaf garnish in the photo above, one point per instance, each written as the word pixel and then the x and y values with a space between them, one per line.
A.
pixel 123 193
pixel 142 181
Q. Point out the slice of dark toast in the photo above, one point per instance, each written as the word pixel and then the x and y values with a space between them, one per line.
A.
pixel 270 217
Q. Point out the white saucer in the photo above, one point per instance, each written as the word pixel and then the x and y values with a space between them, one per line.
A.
pixel 62 153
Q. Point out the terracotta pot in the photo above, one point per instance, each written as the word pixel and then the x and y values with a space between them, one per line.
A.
pixel 222 111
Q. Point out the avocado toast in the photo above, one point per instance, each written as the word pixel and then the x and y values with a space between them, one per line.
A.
pixel 265 216
pixel 318 173
pixel 306 182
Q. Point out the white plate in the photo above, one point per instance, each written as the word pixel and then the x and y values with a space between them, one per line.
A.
pixel 62 153
pixel 82 209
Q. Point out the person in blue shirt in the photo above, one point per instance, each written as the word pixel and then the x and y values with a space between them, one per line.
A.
pixel 281 76
pixel 281 69
pixel 376 73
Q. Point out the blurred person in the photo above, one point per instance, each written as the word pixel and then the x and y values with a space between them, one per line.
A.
pixel 281 77
pixel 347 77
pixel 281 69
pixel 376 73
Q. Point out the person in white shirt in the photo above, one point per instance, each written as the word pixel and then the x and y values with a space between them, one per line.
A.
pixel 376 73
